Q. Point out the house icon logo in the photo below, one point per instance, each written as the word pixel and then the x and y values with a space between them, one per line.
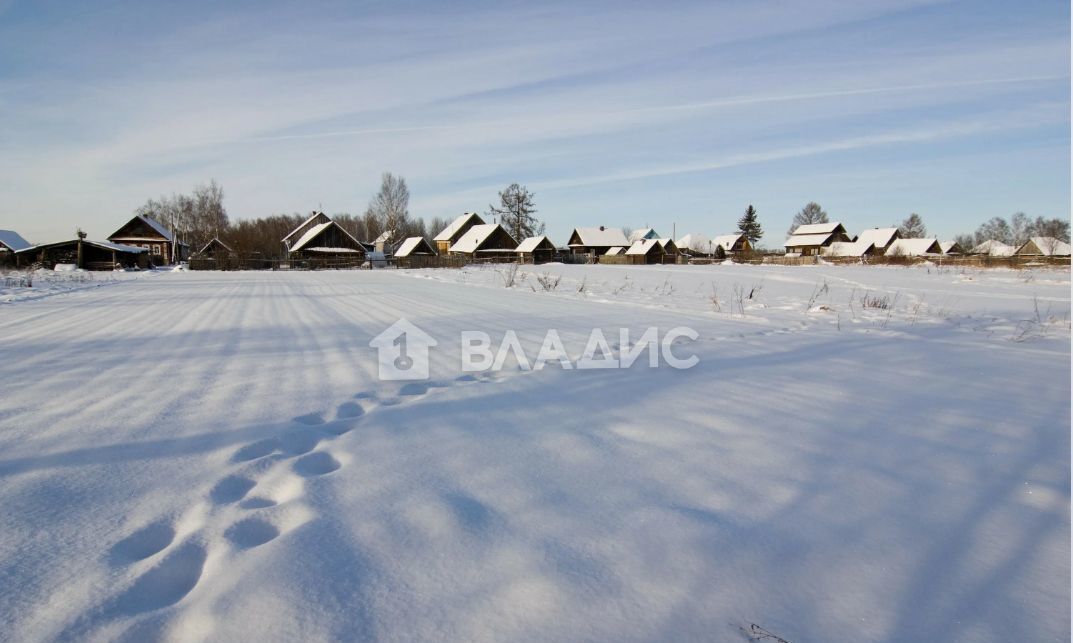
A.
pixel 402 350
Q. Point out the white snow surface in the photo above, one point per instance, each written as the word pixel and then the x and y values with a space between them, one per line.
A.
pixel 211 456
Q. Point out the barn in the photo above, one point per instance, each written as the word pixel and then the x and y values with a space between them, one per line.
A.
pixel 596 240
pixel 146 232
pixel 414 252
pixel 1043 247
pixel 809 239
pixel 486 242
pixel 85 254
pixel 535 250
pixel 453 232
pixel 320 242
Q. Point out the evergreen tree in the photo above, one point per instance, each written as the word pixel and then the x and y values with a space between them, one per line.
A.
pixel 749 225
pixel 515 212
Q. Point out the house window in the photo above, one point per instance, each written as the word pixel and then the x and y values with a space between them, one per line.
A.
pixel 156 249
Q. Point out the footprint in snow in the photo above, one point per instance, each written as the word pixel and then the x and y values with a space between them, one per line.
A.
pixel 316 464
pixel 166 584
pixel 298 442
pixel 310 419
pixel 256 450
pixel 349 411
pixel 231 489
pixel 251 532
pixel 143 543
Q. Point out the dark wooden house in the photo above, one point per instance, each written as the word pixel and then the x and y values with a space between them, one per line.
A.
pixel 85 254
pixel 535 250
pixel 452 233
pixel 320 242
pixel 486 242
pixel 145 232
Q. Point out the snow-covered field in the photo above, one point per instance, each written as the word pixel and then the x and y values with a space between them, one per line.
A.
pixel 861 454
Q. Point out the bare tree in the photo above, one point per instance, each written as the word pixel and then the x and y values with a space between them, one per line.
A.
pixel 995 228
pixel 966 241
pixel 391 205
pixel 1020 228
pixel 1056 228
pixel 811 213
pixel 515 212
pixel 913 227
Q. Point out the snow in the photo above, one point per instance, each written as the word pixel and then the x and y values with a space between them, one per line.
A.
pixel 449 232
pixel 798 240
pixel 913 247
pixel 474 237
pixel 408 246
pixel 530 244
pixel 818 228
pixel 727 241
pixel 210 456
pixel 695 242
pixel 1047 246
pixel 848 249
pixel 642 246
pixel 994 249
pixel 880 237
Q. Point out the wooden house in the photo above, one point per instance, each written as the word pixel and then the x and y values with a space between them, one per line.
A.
pixel 732 243
pixel 880 238
pixel 1043 247
pixel 323 243
pixel 913 248
pixel 538 249
pixel 146 232
pixel 670 250
pixel 596 240
pixel 216 249
pixel 84 254
pixel 645 251
pixel 696 245
pixel 486 242
pixel 951 248
pixel 414 252
pixel 808 239
pixel 453 232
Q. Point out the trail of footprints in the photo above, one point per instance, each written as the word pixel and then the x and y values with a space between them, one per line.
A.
pixel 260 499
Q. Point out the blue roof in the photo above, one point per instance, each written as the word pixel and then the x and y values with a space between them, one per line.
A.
pixel 13 240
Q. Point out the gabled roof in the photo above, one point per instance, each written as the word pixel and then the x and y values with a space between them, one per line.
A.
pixel 532 243
pixel 414 246
pixel 848 248
pixel 319 217
pixel 617 250
pixel 157 227
pixel 385 236
pixel 644 246
pixel 477 235
pixel 315 231
pixel 1044 246
pixel 12 240
pixel 726 241
pixel 951 247
pixel 819 228
pixel 601 237
pixel 993 248
pixel 695 242
pixel 913 247
pixel 448 233
pixel 643 233
pixel 217 241
pixel 667 244
pixel 799 240
pixel 881 237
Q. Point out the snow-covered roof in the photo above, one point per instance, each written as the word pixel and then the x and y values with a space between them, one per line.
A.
pixel 993 248
pixel 385 236
pixel 332 250
pixel 158 227
pixel 312 233
pixel 13 240
pixel 617 250
pixel 1045 246
pixel 475 236
pixel 950 246
pixel 848 248
pixel 103 245
pixel 449 232
pixel 532 243
pixel 665 242
pixel 302 224
pixel 726 241
pixel 799 240
pixel 411 245
pixel 913 247
pixel 695 242
pixel 643 233
pixel 881 237
pixel 817 228
pixel 601 237
pixel 216 240
pixel 643 246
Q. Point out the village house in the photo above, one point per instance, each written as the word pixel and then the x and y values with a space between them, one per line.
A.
pixel 951 248
pixel 850 249
pixel 321 242
pixel 146 232
pixel 696 245
pixel 10 243
pixel 216 249
pixel 645 251
pixel 880 238
pixel 993 248
pixel 453 232
pixel 486 241
pixel 808 239
pixel 913 248
pixel 1043 247
pixel 414 252
pixel 643 233
pixel 596 240
pixel 732 243
pixel 535 250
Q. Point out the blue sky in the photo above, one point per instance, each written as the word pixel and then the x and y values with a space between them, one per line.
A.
pixel 674 115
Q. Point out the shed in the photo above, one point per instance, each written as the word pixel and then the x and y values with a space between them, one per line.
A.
pixel 645 251
pixel 453 232
pixel 85 254
pixel 415 247
pixel 216 249
pixel 538 249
